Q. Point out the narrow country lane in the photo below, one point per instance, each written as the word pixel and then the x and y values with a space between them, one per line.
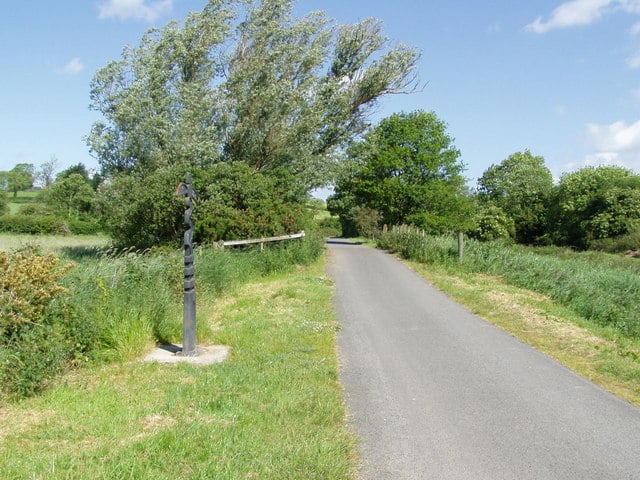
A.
pixel 436 392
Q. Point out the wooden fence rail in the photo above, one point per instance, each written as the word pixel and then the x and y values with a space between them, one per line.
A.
pixel 262 241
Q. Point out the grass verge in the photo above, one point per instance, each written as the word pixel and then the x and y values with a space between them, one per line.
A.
pixel 273 411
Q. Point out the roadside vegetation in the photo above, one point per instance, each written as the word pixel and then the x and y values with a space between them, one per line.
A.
pixel 273 410
pixel 579 307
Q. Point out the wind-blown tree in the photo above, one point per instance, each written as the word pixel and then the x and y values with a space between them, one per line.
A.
pixel 595 203
pixel 245 81
pixel 407 169
pixel 520 186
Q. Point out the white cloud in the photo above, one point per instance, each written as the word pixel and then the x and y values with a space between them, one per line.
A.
pixel 573 13
pixel 73 67
pixel 616 137
pixel 614 144
pixel 136 9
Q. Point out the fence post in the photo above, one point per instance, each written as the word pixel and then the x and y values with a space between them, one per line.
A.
pixel 460 245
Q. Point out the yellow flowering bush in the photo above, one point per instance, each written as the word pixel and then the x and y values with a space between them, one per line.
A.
pixel 28 283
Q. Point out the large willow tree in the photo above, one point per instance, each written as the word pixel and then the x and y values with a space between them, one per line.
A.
pixel 245 81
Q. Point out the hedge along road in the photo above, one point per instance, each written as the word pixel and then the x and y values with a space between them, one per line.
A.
pixel 436 392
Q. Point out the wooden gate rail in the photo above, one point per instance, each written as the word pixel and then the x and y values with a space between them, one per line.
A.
pixel 262 241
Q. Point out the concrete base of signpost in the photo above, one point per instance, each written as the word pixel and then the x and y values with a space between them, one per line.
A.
pixel 207 355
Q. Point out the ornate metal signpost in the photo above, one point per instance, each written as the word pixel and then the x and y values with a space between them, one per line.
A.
pixel 189 315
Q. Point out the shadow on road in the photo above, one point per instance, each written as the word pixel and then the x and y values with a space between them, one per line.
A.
pixel 342 241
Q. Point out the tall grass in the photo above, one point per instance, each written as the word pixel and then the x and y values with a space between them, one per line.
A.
pixel 603 289
pixel 120 304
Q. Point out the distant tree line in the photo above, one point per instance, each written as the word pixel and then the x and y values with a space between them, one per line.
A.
pixel 407 171
pixel 262 107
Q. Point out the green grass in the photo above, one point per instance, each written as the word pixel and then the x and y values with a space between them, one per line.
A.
pixel 273 411
pixel 600 354
pixel 602 290
pixel 70 245
pixel 23 198
pixel 580 308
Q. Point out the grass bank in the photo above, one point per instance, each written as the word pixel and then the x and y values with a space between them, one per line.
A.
pixel 579 308
pixel 272 411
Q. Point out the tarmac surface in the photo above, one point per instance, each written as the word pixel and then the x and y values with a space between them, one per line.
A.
pixel 435 392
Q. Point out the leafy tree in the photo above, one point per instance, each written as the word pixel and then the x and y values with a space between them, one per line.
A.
pixel 234 202
pixel 595 203
pixel 71 194
pixel 520 186
pixel 77 169
pixel 20 178
pixel 407 169
pixel 248 82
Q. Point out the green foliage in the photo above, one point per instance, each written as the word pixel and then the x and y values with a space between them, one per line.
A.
pixel 407 169
pixel 33 321
pixel 520 186
pixel 629 242
pixel 367 221
pixel 71 195
pixel 490 222
pixel 234 202
pixel 239 202
pixel 595 203
pixel 4 202
pixel 33 224
pixel 143 212
pixel 245 82
pixel 330 227
pixel 20 178
pixel 602 292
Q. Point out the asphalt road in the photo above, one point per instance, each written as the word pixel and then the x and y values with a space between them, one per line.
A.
pixel 436 392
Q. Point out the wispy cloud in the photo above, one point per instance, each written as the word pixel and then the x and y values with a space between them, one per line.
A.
pixel 73 67
pixel 573 13
pixel 134 9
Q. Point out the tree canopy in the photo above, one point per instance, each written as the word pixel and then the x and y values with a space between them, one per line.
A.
pixel 407 169
pixel 245 81
pixel 595 203
pixel 20 178
pixel 520 186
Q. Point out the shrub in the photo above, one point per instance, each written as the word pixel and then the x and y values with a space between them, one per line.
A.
pixel 33 329
pixel 621 244
pixel 491 223
pixel 367 221
pixel 330 227
pixel 33 224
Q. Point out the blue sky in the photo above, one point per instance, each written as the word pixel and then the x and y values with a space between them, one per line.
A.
pixel 561 79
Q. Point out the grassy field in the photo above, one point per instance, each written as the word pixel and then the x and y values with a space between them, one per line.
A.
pixel 23 198
pixel 71 245
pixel 273 411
